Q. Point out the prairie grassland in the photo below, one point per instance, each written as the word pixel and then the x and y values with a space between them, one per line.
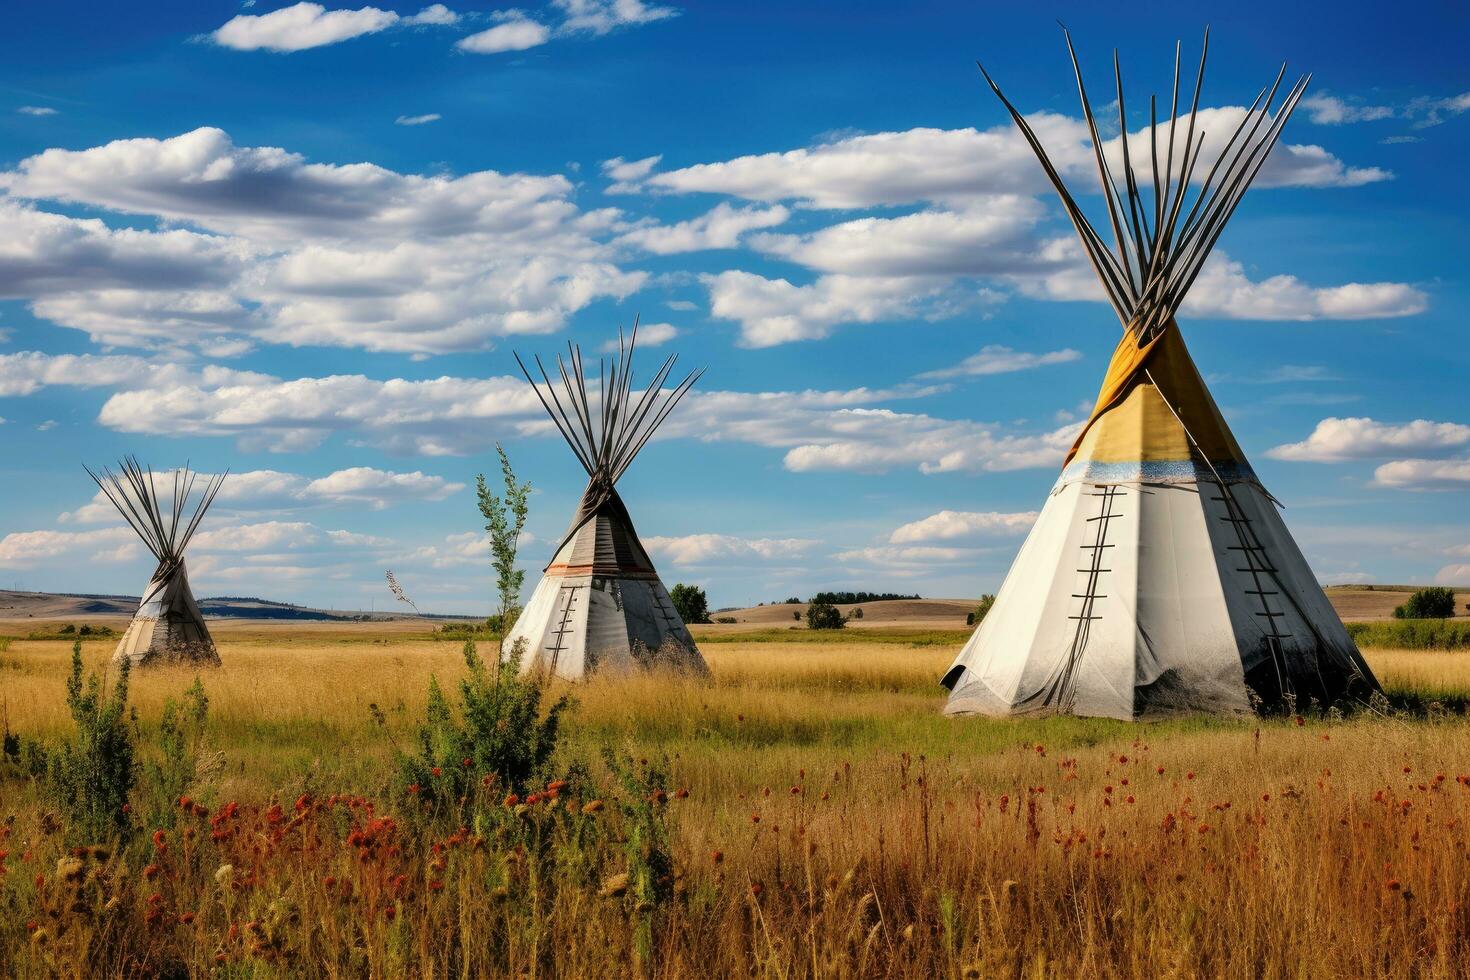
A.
pixel 835 824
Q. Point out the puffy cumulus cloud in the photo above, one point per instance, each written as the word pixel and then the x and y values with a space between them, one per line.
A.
pixel 912 557
pixel 27 372
pixel 603 16
pixel 301 26
pixel 721 227
pixel 957 165
pixel 273 536
pixel 379 488
pixel 1326 109
pixel 254 491
pixel 1424 474
pixel 776 311
pixel 702 549
pixel 310 25
pixel 438 417
pixel 990 238
pixel 44 254
pixel 1453 575
pixel 837 429
pixel 1338 439
pixel 514 32
pixel 25 549
pixel 999 359
pixel 649 335
pixel 843 430
pixel 1223 290
pixel 949 525
pixel 300 253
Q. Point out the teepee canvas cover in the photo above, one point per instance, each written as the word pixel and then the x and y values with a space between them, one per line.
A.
pixel 600 604
pixel 1159 576
pixel 168 627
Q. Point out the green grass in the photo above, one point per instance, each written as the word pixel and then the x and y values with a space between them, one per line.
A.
pixel 800 634
pixel 1413 634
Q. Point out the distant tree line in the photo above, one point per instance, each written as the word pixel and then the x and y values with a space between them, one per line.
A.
pixel 848 598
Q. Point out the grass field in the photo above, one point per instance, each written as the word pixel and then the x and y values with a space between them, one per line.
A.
pixel 835 824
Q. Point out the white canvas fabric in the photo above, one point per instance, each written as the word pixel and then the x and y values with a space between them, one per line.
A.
pixel 600 605
pixel 1135 600
pixel 168 627
pixel 1159 576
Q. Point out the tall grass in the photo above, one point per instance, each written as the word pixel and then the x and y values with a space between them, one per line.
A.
pixel 835 824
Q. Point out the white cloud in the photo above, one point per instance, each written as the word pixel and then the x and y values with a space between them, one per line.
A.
pixel 998 359
pixel 22 549
pixel 257 491
pixel 434 15
pixel 27 372
pixel 703 549
pixel 649 335
pixel 1331 110
pixel 1223 290
pixel 602 16
pixel 906 556
pixel 36 110
pixel 442 416
pixel 515 32
pixel 379 488
pixel 427 117
pixel 268 536
pixel 1453 575
pixel 948 525
pixel 1338 439
pixel 301 26
pixel 300 253
pixel 1424 474
pixel 720 227
pixel 627 173
pixel 775 311
pixel 957 165
pixel 1427 111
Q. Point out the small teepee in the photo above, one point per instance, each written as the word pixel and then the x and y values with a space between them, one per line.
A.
pixel 168 627
pixel 600 604
pixel 1159 576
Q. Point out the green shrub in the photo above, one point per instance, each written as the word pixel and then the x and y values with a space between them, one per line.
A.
pixel 1435 602
pixel 690 603
pixel 90 775
pixel 174 773
pixel 824 616
pixel 981 611
pixel 498 730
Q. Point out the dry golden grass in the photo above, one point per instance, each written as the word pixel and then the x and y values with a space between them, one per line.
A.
pixel 859 831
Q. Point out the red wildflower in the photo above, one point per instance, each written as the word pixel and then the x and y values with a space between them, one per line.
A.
pixel 512 800
pixel 756 888
pixel 437 772
pixel 717 857
pixel 187 918
pixel 436 886
pixel 465 762
pixel 151 872
pixel 682 793
pixel 1394 884
pixel 414 790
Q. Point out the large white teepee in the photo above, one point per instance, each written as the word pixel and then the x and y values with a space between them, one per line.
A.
pixel 600 604
pixel 1159 577
pixel 168 627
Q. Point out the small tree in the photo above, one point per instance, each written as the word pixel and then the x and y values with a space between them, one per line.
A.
pixel 505 518
pixel 690 603
pixel 91 775
pixel 857 612
pixel 796 615
pixel 1435 602
pixel 982 609
pixel 824 616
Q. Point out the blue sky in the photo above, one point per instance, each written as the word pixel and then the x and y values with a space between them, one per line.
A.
pixel 301 242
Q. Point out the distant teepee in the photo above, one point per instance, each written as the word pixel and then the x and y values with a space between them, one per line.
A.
pixel 1159 576
pixel 600 604
pixel 168 627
